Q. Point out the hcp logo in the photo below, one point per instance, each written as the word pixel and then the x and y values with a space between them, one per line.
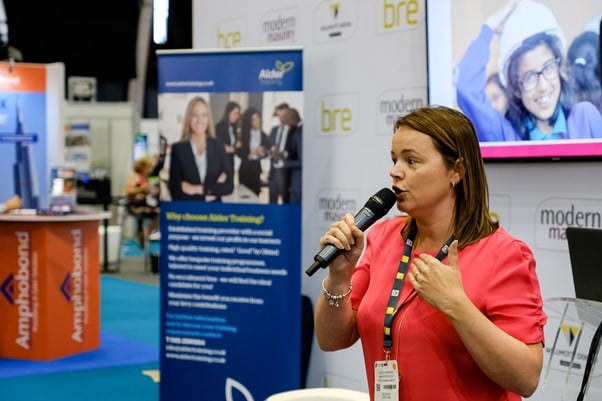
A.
pixel 230 33
pixel 228 40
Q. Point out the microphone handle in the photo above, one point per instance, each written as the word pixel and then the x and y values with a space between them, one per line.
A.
pixel 363 219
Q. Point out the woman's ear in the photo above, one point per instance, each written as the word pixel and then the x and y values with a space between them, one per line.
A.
pixel 459 170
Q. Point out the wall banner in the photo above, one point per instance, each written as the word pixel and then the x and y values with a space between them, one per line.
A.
pixel 230 259
pixel 23 136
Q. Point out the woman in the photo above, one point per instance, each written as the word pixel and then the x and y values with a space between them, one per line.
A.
pixel 226 130
pixel 584 68
pixel 294 157
pixel 142 198
pixel 254 147
pixel 531 61
pixel 467 325
pixel 199 168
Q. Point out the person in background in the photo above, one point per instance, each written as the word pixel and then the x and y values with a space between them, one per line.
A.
pixel 199 168
pixel 583 65
pixel 293 161
pixel 253 148
pixel 531 58
pixel 279 144
pixel 428 299
pixel 12 203
pixel 142 198
pixel 496 93
pixel 227 130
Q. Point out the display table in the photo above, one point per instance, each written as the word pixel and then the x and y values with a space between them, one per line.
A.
pixel 49 285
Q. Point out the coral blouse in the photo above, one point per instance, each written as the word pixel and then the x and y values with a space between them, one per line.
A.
pixel 498 275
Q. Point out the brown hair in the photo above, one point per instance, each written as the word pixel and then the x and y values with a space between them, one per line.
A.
pixel 455 139
pixel 143 163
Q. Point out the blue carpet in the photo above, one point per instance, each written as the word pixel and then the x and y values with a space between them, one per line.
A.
pixel 120 383
pixel 114 351
pixel 131 249
pixel 129 335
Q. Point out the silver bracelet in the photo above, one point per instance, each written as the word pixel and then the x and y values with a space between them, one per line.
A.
pixel 334 300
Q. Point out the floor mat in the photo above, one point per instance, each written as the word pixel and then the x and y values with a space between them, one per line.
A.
pixel 114 350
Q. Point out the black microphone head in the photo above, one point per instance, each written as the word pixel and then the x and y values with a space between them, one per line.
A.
pixel 381 202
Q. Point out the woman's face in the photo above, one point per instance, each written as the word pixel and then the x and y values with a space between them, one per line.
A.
pixel 541 100
pixel 199 118
pixel 421 180
pixel 234 115
pixel 256 121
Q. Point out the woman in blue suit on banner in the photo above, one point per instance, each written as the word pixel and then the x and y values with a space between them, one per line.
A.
pixel 199 168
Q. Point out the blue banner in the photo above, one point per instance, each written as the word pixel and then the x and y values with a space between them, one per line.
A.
pixel 230 269
pixel 254 71
pixel 230 301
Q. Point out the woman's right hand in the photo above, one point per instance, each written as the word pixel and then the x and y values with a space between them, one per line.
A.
pixel 344 235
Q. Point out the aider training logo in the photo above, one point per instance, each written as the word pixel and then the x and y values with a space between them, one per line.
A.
pixel 276 74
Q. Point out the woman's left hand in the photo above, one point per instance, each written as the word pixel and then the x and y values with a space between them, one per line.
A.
pixel 439 284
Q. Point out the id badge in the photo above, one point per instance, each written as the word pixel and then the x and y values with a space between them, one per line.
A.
pixel 386 381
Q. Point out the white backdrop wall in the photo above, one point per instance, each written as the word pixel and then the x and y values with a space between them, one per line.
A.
pixel 365 63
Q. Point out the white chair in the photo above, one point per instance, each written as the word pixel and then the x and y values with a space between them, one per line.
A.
pixel 320 394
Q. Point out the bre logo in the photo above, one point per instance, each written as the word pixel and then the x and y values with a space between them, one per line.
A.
pixel 399 15
pixel 337 113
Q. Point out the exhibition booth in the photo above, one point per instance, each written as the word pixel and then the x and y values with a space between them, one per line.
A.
pixel 49 252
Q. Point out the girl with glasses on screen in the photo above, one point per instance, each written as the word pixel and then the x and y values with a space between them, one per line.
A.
pixel 531 47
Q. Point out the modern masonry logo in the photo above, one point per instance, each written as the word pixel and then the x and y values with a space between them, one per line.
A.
pixel 554 215
pixel 395 103
pixel 279 27
pixel 334 204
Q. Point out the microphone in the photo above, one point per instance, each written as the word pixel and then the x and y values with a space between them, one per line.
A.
pixel 376 207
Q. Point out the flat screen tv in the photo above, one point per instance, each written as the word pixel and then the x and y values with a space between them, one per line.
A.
pixel 469 43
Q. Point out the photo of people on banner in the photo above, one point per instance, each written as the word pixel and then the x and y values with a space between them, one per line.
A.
pixel 232 147
pixel 529 75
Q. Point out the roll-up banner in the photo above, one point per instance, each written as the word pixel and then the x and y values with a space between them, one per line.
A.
pixel 30 99
pixel 230 259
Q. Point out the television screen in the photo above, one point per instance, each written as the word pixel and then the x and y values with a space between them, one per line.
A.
pixel 527 74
